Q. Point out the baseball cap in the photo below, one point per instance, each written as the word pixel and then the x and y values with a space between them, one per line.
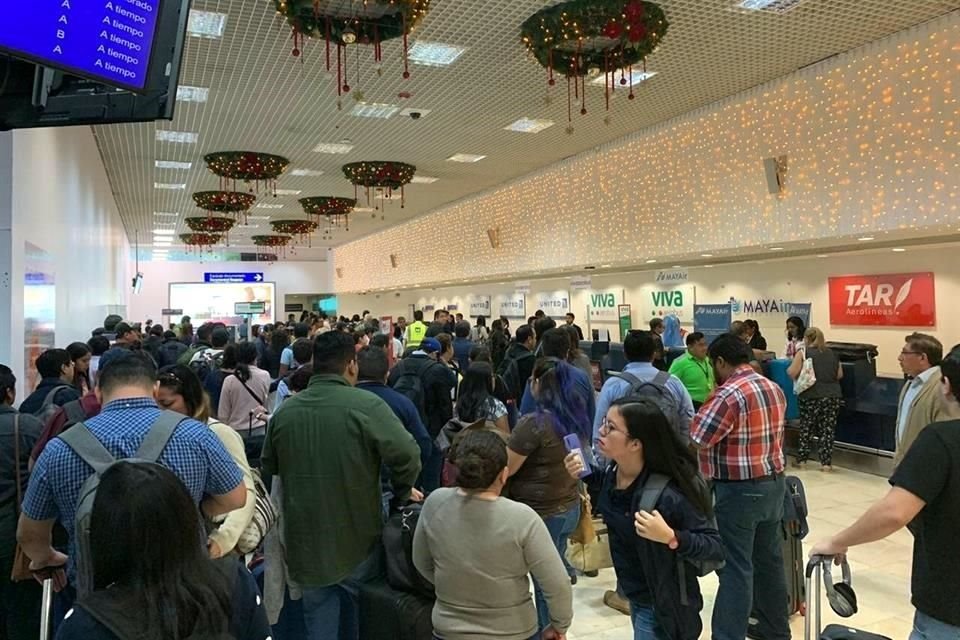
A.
pixel 430 345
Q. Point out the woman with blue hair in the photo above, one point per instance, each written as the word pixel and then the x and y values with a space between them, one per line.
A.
pixel 536 455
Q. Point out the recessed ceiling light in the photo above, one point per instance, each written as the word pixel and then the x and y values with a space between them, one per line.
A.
pixel 169 185
pixel 708 266
pixel 268 205
pixel 333 147
pixel 527 125
pixel 651 261
pixel 865 239
pixel 186 93
pixel 605 266
pixel 634 78
pixel 165 214
pixel 465 157
pixel 181 137
pixel 706 255
pixel 374 110
pixel 288 192
pixel 206 24
pixel 677 266
pixel 363 209
pixel 311 173
pixel 170 164
pixel 424 180
pixel 823 255
pixel 162 242
pixel 772 6
pixel 899 250
pixel 163 232
pixel 776 248
pixel 434 54
pixel 247 226
pixel 258 217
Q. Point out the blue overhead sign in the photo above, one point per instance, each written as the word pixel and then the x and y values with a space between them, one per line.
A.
pixel 249 276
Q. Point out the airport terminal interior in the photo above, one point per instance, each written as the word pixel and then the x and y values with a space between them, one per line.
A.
pixel 608 221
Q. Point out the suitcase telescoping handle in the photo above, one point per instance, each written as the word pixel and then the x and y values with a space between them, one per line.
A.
pixel 46 610
pixel 812 618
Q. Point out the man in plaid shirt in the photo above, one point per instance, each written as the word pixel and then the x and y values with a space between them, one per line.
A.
pixel 739 431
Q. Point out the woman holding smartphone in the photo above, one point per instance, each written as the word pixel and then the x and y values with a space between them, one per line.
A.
pixel 648 548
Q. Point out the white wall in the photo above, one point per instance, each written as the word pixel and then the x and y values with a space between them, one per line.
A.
pixel 871 140
pixel 798 280
pixel 290 278
pixel 55 195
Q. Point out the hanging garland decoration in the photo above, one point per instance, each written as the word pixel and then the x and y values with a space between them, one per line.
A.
pixel 200 242
pixel 273 241
pixel 370 22
pixel 299 229
pixel 333 210
pixel 581 38
pixel 381 176
pixel 235 203
pixel 212 224
pixel 247 166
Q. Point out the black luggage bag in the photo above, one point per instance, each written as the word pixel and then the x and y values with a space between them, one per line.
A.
pixel 388 614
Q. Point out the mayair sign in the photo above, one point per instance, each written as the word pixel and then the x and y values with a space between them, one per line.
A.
pixel 672 276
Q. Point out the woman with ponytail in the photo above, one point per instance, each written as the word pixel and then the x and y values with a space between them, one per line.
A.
pixel 478 548
pixel 536 452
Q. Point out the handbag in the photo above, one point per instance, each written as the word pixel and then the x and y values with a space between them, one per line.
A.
pixel 594 553
pixel 21 562
pixel 807 377
pixel 263 520
pixel 585 530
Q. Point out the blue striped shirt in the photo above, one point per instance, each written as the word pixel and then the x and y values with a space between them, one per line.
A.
pixel 193 453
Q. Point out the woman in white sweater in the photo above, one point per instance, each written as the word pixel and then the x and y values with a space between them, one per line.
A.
pixel 244 394
pixel 181 391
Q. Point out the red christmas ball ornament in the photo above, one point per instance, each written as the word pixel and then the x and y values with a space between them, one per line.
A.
pixel 631 96
pixel 637 32
pixel 583 111
pixel 551 81
pixel 406 75
pixel 623 81
pixel 296 53
pixel 613 30
pixel 346 88
pixel 633 10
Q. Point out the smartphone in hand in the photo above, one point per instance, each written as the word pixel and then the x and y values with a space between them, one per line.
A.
pixel 572 442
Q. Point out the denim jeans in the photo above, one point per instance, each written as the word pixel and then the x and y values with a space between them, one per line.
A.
pixel 560 527
pixel 927 628
pixel 748 516
pixel 645 625
pixel 333 612
pixel 432 470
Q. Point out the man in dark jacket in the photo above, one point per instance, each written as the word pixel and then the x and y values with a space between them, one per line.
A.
pixel 437 383
pixel 522 351
pixel 171 350
pixel 55 367
pixel 154 341
pixel 462 344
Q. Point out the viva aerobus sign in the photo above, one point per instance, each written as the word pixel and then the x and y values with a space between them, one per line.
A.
pixel 603 305
pixel 663 300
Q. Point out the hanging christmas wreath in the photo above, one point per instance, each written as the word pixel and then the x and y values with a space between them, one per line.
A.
pixel 210 224
pixel 300 229
pixel 224 201
pixel 382 176
pixel 327 205
pixel 579 35
pixel 200 241
pixel 271 241
pixel 246 166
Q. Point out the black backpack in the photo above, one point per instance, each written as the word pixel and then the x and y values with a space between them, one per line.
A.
pixel 509 372
pixel 410 384
pixel 207 362
pixel 398 534
pixel 657 391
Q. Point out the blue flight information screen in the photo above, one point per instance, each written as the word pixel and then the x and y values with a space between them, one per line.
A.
pixel 109 41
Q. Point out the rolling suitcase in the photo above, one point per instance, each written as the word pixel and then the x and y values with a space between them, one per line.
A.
pixel 388 614
pixel 812 625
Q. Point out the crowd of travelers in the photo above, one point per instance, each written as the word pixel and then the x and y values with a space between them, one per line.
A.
pixel 181 482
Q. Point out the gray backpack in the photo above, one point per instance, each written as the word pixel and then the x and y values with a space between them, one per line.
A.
pixel 49 406
pixel 91 451
pixel 656 390
pixel 647 498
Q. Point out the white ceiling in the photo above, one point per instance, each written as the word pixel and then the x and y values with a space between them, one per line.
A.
pixel 263 99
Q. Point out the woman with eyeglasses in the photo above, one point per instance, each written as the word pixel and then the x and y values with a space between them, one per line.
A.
pixel 648 547
pixel 181 391
pixel 536 458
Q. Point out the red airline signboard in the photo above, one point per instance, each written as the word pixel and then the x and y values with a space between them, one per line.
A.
pixel 890 300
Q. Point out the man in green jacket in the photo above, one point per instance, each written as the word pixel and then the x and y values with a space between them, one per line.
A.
pixel 694 370
pixel 327 444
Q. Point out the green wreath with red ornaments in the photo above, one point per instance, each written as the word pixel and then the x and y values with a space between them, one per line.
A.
pixel 379 173
pixel 294 227
pixel 328 205
pixel 376 20
pixel 201 239
pixel 246 165
pixel 579 35
pixel 271 241
pixel 210 224
pixel 224 201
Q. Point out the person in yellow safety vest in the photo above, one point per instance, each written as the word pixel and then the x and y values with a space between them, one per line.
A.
pixel 416 331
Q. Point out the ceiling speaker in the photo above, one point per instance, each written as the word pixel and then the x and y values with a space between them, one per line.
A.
pixel 494 236
pixel 776 170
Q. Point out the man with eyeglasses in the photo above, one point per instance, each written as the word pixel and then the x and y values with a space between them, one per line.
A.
pixel 920 403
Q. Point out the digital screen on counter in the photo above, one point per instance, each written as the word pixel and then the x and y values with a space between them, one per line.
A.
pixel 109 41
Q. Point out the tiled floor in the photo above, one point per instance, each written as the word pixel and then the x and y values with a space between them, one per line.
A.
pixel 881 571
